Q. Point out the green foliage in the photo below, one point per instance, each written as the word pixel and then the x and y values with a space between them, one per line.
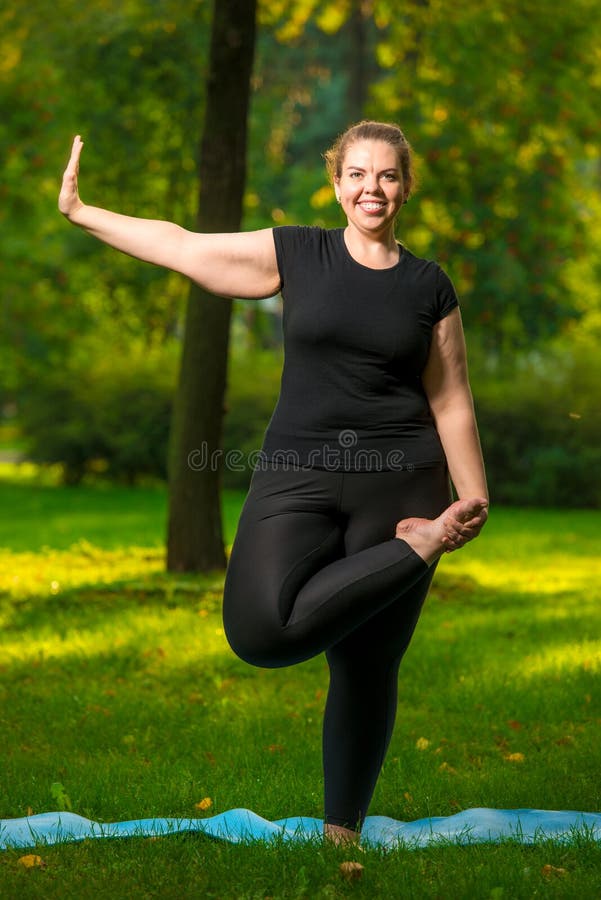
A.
pixel 254 382
pixel 129 78
pixel 540 427
pixel 107 414
pixel 60 796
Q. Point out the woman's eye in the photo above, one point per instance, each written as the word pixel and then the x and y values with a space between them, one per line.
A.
pixel 355 175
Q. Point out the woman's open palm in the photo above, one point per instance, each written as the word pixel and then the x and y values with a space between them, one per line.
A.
pixel 68 199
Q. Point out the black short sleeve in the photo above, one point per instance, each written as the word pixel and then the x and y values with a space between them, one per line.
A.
pixel 290 246
pixel 446 297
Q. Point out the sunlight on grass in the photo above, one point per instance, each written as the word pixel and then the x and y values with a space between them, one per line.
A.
pixel 154 636
pixel 584 656
pixel 53 571
pixel 560 572
pixel 28 472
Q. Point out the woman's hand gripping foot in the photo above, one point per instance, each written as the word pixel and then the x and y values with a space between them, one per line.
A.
pixel 459 523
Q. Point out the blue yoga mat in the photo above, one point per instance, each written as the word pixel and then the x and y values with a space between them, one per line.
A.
pixel 243 825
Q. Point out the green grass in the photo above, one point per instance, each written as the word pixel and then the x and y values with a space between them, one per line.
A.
pixel 37 514
pixel 118 684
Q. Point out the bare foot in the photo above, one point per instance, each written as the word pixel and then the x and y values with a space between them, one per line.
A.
pixel 453 528
pixel 338 834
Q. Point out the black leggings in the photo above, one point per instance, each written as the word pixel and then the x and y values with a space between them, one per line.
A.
pixel 315 566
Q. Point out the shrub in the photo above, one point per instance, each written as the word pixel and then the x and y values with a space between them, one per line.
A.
pixel 253 388
pixel 110 416
pixel 539 423
pixel 541 430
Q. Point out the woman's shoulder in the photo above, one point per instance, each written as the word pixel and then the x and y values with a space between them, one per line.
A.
pixel 422 266
pixel 432 282
pixel 305 233
pixel 424 263
pixel 304 239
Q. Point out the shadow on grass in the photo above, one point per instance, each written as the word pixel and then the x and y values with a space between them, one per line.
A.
pixel 130 687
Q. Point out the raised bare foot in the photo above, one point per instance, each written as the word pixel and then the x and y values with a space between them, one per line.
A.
pixel 458 524
pixel 338 834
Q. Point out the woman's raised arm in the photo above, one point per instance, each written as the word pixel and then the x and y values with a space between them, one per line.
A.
pixel 241 264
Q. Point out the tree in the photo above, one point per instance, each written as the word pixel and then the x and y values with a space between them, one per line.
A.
pixel 129 78
pixel 195 541
pixel 499 99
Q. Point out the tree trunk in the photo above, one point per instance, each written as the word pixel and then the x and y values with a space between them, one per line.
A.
pixel 195 541
pixel 356 93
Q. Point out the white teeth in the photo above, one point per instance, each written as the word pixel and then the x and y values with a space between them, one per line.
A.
pixel 372 206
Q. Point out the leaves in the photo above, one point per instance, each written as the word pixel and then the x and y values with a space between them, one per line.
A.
pixel 351 871
pixel 204 804
pixel 31 861
pixel 515 757
pixel 548 872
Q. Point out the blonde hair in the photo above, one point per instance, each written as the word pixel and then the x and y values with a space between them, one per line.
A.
pixel 368 130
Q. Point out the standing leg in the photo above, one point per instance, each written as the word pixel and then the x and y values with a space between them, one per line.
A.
pixel 362 698
pixel 361 706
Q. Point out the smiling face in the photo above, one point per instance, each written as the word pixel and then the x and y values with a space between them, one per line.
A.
pixel 370 187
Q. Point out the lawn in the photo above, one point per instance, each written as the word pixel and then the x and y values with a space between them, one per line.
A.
pixel 120 699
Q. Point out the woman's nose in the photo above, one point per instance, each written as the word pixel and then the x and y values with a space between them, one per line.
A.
pixel 370 185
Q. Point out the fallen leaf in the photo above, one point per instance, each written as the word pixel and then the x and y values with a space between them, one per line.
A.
pixel 445 767
pixel 549 871
pixel 422 743
pixel 513 723
pixel 408 797
pixel 351 871
pixel 205 803
pixel 515 757
pixel 31 861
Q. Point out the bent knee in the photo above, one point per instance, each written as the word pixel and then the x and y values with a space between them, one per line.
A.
pixel 256 651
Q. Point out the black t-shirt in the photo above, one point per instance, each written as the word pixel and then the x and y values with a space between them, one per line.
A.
pixel 356 341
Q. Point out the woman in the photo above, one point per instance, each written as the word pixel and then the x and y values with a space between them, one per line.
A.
pixel 350 507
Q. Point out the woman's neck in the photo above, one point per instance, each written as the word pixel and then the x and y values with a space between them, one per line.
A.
pixel 377 251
